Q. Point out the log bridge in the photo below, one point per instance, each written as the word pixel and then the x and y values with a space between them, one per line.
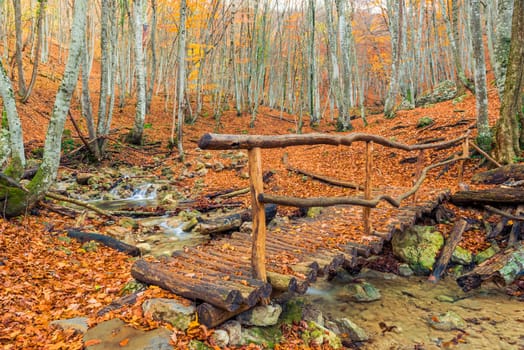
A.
pixel 233 274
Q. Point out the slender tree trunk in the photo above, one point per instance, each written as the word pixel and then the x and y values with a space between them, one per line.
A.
pixel 86 104
pixel 462 79
pixel 181 89
pixel 136 134
pixel 395 16
pixel 19 46
pixel 502 42
pixel 481 96
pixel 39 39
pixel 314 99
pixel 48 170
pixel 16 141
pixel 507 146
pixel 152 75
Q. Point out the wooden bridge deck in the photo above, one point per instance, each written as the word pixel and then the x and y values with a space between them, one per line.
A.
pixel 218 274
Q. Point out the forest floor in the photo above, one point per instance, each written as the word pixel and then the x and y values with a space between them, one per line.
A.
pixel 45 277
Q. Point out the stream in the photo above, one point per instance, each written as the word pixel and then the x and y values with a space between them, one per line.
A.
pixel 399 320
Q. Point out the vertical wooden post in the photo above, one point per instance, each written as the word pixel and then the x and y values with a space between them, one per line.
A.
pixel 256 185
pixel 418 171
pixel 366 217
pixel 465 153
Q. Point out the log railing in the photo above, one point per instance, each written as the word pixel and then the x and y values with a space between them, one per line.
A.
pixel 254 143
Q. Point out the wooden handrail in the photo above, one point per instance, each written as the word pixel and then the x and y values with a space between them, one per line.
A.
pixel 231 141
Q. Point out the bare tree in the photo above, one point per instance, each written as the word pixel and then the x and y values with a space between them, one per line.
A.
pixel 507 145
pixel 481 95
pixel 136 134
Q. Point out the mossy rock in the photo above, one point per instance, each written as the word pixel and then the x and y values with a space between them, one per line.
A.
pixel 462 256
pixel 267 337
pixel 418 247
pixel 424 121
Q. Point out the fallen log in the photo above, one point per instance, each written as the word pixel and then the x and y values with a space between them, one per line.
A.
pixel 493 196
pixel 503 268
pixel 186 286
pixel 451 243
pixel 105 240
pixel 228 223
pixel 500 175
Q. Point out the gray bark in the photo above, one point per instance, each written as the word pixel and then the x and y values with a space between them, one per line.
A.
pixel 136 134
pixel 38 49
pixel 507 146
pixel 461 76
pixel 502 42
pixel 395 18
pixel 48 170
pixel 18 55
pixel 181 89
pixel 15 136
pixel 481 96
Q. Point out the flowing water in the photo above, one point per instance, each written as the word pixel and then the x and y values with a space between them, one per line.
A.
pixel 399 320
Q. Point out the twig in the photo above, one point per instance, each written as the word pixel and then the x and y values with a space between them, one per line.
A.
pixel 488 157
pixel 79 203
pixel 75 125
pixel 503 213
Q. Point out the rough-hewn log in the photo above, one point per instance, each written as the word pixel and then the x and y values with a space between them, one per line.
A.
pixel 451 243
pixel 325 201
pixel 211 316
pixel 186 286
pixel 258 253
pixel 326 179
pixel 251 290
pixel 229 141
pixel 493 196
pixel 503 268
pixel 105 240
pixel 500 175
pixel 219 224
pixel 227 223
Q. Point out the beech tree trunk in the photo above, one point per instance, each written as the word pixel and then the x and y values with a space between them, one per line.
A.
pixel 38 50
pixel 507 145
pixel 135 136
pixel 181 89
pixel 17 200
pixel 14 137
pixel 18 33
pixel 502 42
pixel 481 94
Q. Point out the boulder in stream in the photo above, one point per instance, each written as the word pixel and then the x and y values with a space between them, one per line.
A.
pixel 418 246
pixel 360 292
pixel 447 321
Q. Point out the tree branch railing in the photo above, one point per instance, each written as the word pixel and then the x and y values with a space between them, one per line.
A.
pixel 254 143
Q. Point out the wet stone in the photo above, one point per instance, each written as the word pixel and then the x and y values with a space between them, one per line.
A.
pixel 447 322
pixel 111 333
pixel 360 292
pixel 355 333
